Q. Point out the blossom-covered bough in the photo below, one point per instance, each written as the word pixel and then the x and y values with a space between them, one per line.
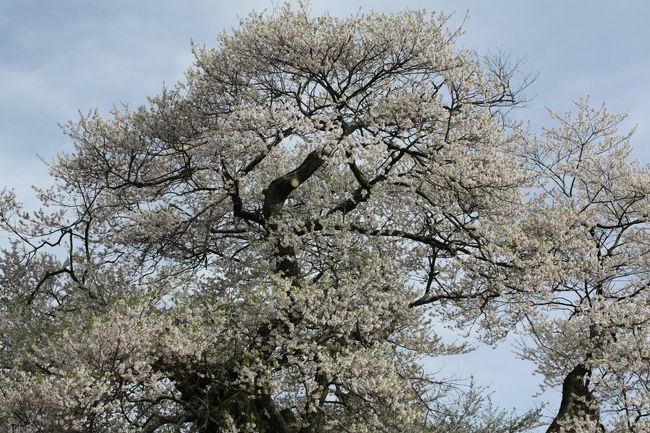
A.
pixel 264 247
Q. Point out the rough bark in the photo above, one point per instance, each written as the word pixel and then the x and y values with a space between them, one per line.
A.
pixel 279 189
pixel 578 403
pixel 274 198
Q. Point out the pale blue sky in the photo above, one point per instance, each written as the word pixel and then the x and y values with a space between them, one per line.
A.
pixel 61 56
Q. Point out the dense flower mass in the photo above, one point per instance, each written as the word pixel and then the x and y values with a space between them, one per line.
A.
pixel 269 246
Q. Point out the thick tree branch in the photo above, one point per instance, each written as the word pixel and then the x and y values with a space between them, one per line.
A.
pixel 281 187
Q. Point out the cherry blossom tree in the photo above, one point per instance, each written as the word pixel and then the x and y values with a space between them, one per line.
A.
pixel 577 289
pixel 592 331
pixel 271 245
pixel 240 255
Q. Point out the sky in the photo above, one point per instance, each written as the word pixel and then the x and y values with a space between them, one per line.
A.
pixel 61 57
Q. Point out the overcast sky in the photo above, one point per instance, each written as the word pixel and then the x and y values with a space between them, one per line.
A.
pixel 59 57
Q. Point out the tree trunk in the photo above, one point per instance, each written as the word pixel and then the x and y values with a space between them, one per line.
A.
pixel 578 406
